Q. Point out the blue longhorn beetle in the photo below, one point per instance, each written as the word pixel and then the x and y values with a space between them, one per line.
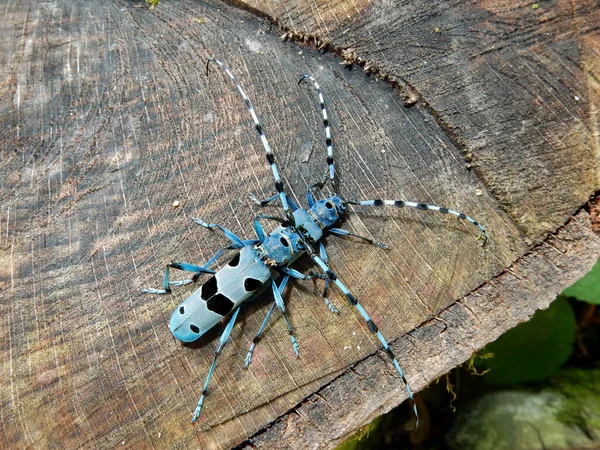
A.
pixel 260 262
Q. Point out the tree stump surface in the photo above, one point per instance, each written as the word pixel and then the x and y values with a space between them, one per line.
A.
pixel 114 137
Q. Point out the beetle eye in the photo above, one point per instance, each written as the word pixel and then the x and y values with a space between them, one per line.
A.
pixel 328 205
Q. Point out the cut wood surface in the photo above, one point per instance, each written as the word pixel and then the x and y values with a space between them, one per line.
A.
pixel 113 137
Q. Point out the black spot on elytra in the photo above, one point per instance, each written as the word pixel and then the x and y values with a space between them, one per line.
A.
pixel 284 241
pixel 378 202
pixel 234 261
pixel 181 310
pixel 252 284
pixel 194 328
pixel 209 288
pixel 219 304
pixel 330 160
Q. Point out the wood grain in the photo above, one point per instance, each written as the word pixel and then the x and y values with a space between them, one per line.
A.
pixel 514 87
pixel 467 325
pixel 108 119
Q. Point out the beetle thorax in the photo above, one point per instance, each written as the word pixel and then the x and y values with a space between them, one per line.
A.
pixel 328 212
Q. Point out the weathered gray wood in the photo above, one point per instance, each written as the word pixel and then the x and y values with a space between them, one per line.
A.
pixel 107 119
pixel 515 87
pixel 452 336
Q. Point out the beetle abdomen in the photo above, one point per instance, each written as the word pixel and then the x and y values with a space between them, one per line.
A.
pixel 242 277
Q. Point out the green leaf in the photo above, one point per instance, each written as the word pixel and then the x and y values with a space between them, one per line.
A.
pixel 587 289
pixel 534 350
